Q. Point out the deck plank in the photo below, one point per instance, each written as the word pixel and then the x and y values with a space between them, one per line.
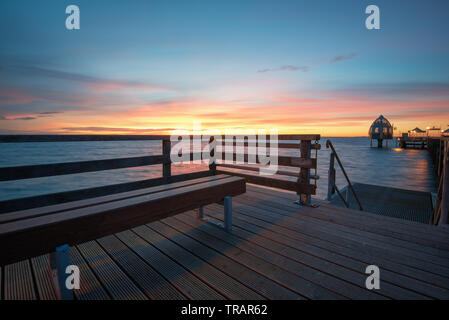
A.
pixel 90 286
pixel 393 284
pixel 349 251
pixel 330 231
pixel 226 285
pixel 43 274
pixel 433 241
pixel 276 250
pixel 115 281
pixel 397 224
pixel 261 261
pixel 246 276
pixel 386 201
pixel 314 216
pixel 153 284
pixel 19 284
pixel 349 287
pixel 186 282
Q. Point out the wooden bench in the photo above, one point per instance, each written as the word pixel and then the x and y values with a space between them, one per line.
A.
pixel 32 232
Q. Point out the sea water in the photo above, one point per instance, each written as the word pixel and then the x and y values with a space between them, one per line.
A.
pixel 395 167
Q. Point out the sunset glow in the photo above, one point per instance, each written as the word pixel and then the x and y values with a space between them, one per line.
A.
pixel 230 65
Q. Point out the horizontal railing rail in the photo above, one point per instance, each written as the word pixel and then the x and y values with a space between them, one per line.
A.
pixel 56 169
pixel 65 168
pixel 118 137
pixel 314 146
pixel 257 169
pixel 282 160
pixel 78 138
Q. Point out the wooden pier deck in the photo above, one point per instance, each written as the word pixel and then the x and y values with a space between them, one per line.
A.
pixel 277 250
pixel 387 201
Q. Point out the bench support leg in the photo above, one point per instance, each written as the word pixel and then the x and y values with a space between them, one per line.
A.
pixel 60 260
pixel 228 214
pixel 227 224
pixel 200 212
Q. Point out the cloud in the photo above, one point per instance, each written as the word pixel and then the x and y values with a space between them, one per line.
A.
pixel 343 58
pixel 49 112
pixel 417 90
pixel 45 101
pixel 93 83
pixel 20 118
pixel 286 68
pixel 293 68
pixel 117 129
pixel 27 116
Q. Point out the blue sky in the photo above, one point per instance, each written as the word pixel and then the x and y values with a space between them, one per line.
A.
pixel 149 65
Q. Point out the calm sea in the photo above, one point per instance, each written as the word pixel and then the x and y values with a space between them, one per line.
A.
pixel 408 169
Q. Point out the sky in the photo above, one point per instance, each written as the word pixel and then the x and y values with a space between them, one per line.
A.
pixel 148 67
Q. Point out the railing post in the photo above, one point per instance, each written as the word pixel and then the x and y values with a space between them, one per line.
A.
pixel 445 195
pixel 166 166
pixel 212 160
pixel 331 177
pixel 304 173
pixel 350 188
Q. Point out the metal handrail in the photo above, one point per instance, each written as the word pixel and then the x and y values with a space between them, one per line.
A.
pixel 332 175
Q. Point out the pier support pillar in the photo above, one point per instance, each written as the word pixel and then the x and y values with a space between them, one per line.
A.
pixel 379 143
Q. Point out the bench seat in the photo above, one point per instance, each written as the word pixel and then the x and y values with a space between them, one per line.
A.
pixel 28 233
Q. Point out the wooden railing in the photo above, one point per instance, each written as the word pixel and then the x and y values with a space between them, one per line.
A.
pixel 302 184
pixel 299 182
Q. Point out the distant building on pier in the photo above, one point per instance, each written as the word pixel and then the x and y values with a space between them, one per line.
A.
pixel 445 133
pixel 417 132
pixel 381 130
pixel 434 132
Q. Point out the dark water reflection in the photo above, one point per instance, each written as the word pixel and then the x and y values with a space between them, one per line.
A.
pixel 410 169
pixel 394 167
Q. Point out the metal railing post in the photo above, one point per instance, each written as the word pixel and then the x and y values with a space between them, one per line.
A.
pixel 330 145
pixel 331 177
